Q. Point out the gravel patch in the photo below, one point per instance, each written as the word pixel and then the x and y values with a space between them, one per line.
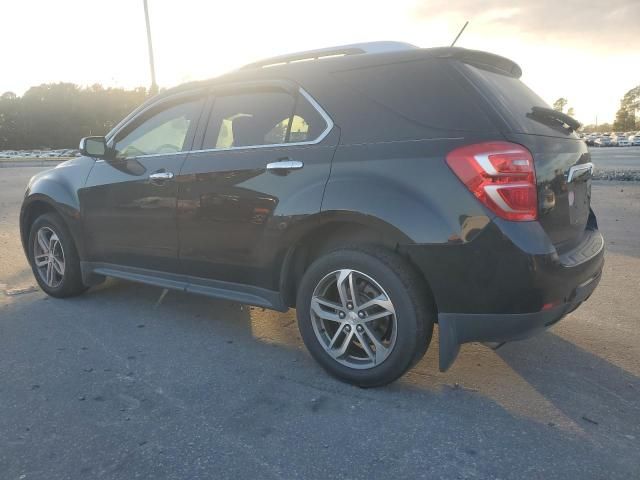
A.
pixel 617 175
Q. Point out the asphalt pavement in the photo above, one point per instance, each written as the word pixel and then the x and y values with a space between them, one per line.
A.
pixel 616 158
pixel 121 383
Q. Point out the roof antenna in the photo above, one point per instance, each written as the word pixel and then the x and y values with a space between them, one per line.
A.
pixel 462 30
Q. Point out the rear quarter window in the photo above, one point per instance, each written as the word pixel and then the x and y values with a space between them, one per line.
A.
pixel 425 92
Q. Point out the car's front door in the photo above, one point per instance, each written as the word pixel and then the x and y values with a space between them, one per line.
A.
pixel 129 202
pixel 264 161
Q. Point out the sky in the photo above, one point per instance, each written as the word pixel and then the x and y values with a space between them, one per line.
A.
pixel 587 51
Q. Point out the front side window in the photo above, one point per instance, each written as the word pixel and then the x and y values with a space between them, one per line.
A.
pixel 163 131
pixel 261 118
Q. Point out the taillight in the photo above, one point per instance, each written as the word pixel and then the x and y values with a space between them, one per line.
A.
pixel 501 175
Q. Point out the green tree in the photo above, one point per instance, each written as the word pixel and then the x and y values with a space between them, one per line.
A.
pixel 602 127
pixel 9 118
pixel 624 120
pixel 631 100
pixel 57 115
pixel 559 104
pixel 627 114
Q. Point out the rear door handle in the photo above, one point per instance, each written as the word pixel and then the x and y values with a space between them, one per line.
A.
pixel 161 176
pixel 284 165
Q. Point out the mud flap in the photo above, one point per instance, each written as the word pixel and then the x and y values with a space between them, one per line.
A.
pixel 493 329
pixel 449 346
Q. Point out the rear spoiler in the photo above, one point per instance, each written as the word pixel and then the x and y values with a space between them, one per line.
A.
pixel 483 60
pixel 554 116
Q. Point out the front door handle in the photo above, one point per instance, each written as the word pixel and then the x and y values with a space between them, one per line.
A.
pixel 284 165
pixel 161 176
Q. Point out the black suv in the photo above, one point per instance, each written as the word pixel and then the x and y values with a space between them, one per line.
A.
pixel 377 188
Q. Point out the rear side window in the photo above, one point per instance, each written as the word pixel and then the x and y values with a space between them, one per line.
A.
pixel 426 92
pixel 513 100
pixel 307 124
pixel 261 118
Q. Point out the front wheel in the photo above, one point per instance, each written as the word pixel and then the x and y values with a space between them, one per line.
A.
pixel 364 315
pixel 54 258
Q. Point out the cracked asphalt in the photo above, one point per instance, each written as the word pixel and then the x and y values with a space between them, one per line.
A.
pixel 115 385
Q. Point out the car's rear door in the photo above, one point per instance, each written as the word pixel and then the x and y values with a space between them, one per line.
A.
pixel 129 202
pixel 263 164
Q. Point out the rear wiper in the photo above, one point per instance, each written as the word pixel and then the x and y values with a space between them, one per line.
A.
pixel 554 118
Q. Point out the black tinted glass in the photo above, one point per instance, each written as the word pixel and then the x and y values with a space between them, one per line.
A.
pixel 425 92
pixel 513 99
pixel 248 119
pixel 307 123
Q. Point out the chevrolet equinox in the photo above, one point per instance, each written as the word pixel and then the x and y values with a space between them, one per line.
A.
pixel 377 188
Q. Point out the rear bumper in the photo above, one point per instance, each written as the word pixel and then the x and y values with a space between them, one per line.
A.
pixel 507 284
pixel 456 328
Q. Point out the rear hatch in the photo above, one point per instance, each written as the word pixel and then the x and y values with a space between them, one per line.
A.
pixel 561 158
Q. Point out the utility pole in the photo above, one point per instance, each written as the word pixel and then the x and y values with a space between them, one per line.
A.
pixel 154 86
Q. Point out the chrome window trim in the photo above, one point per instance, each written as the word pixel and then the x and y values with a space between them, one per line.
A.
pixel 325 116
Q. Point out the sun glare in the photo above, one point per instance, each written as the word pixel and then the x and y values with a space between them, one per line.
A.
pixel 194 39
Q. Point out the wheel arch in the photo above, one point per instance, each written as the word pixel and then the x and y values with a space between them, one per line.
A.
pixel 327 231
pixel 37 204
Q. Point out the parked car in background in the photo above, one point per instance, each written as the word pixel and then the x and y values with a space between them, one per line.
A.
pixel 377 188
pixel 590 138
pixel 634 139
pixel 47 153
pixel 619 140
pixel 602 141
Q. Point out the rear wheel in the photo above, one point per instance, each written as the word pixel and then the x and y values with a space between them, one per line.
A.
pixel 54 258
pixel 364 315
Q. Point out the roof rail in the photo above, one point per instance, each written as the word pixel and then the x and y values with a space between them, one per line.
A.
pixel 330 52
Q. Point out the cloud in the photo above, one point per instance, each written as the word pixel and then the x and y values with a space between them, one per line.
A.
pixel 591 23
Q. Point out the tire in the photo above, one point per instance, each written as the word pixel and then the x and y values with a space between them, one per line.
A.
pixel 377 273
pixel 67 284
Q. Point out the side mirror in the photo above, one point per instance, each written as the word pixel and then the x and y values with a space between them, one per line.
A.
pixel 93 147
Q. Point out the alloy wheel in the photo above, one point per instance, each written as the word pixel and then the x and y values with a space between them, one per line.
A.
pixel 354 319
pixel 48 256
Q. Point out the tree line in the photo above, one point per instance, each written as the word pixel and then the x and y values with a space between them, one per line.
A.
pixel 58 115
pixel 627 116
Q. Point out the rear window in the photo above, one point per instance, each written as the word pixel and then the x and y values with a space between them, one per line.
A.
pixel 426 92
pixel 513 100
